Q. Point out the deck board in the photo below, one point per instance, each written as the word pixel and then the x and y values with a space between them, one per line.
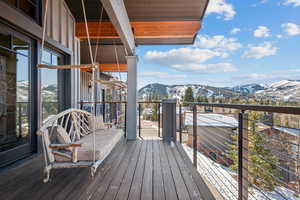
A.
pixel 119 176
pixel 182 191
pixel 169 186
pixel 146 193
pixel 104 185
pixel 141 169
pixel 124 189
pixel 158 183
pixel 136 185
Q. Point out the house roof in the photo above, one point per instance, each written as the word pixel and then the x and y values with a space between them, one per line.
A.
pixel 211 120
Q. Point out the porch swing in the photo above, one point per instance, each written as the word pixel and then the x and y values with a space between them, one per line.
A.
pixel 75 138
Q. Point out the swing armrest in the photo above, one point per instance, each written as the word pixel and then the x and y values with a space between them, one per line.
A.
pixel 74 151
pixel 64 146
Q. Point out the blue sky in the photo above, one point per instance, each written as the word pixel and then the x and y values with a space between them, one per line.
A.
pixel 249 41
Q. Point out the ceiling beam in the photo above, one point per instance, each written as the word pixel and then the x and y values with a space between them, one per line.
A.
pixel 142 30
pixel 118 16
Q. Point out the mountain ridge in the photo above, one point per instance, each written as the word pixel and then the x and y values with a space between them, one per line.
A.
pixel 284 90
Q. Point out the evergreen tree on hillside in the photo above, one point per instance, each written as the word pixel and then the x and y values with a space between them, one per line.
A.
pixel 262 164
pixel 188 95
pixel 202 99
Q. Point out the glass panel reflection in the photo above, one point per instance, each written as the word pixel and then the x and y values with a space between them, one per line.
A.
pixel 49 79
pixel 14 95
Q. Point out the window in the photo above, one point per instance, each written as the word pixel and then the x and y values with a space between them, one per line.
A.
pixel 29 7
pixel 14 92
pixel 50 89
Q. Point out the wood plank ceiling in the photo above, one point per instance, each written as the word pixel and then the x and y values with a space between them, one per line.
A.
pixel 152 21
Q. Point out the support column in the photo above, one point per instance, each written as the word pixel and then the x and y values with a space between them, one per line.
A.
pixel 132 97
pixel 169 120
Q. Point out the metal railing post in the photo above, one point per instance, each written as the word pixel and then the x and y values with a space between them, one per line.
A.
pixel 20 120
pixel 180 124
pixel 125 121
pixel 140 120
pixel 103 112
pixel 195 135
pixel 158 118
pixel 243 181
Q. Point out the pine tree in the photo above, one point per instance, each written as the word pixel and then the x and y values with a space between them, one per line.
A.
pixel 188 95
pixel 262 164
pixel 202 99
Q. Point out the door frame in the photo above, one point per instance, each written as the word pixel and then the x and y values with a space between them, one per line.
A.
pixel 25 150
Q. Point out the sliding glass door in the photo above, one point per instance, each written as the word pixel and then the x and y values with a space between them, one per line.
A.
pixel 15 96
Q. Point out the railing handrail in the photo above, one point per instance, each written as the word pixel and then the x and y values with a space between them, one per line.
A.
pixel 111 102
pixel 294 110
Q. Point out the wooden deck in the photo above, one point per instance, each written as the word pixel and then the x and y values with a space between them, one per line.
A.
pixel 142 169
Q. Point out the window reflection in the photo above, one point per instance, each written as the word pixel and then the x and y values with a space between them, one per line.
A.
pixel 14 95
pixel 49 85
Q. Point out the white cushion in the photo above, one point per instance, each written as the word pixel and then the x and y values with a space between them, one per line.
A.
pixel 105 141
pixel 96 122
pixel 62 135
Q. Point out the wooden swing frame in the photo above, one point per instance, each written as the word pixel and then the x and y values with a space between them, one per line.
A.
pixel 77 117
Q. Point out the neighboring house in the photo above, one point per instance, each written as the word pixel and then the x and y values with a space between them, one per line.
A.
pixel 214 132
pixel 284 144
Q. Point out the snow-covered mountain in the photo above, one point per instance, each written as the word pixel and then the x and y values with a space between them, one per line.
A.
pixel 249 88
pixel 49 92
pixel 177 91
pixel 286 90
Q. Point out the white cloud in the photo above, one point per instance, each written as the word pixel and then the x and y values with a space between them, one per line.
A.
pixel 205 68
pixel 279 36
pixel 263 1
pixel 276 75
pixel 221 7
pixel 294 3
pixel 252 76
pixel 288 71
pixel 262 31
pixel 235 31
pixel 162 75
pixel 291 29
pixel 217 42
pixel 190 60
pixel 182 56
pixel 194 58
pixel 260 51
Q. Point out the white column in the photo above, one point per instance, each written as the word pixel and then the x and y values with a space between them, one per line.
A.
pixel 132 97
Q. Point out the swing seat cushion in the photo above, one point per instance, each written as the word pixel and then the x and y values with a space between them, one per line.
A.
pixel 105 140
pixel 96 122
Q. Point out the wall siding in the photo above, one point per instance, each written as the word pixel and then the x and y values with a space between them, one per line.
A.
pixel 61 28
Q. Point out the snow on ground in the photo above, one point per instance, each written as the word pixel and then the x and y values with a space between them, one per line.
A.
pixel 222 179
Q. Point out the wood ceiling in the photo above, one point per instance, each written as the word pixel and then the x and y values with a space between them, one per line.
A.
pixel 153 22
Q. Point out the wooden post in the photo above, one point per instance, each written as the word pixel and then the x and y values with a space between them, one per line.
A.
pixel 180 124
pixel 243 180
pixel 195 135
